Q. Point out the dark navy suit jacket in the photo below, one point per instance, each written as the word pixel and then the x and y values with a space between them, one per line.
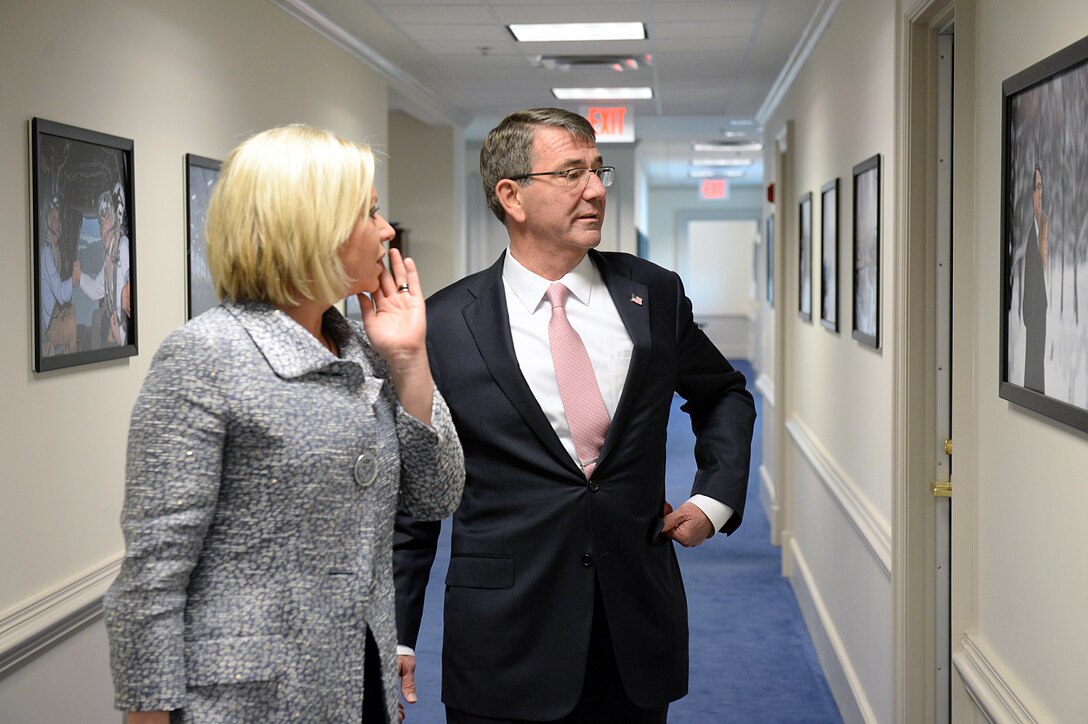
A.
pixel 533 538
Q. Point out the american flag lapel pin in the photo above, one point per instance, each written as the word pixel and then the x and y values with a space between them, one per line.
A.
pixel 636 299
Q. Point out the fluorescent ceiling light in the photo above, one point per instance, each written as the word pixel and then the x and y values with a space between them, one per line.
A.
pixel 714 173
pixel 611 94
pixel 551 32
pixel 721 162
pixel 727 146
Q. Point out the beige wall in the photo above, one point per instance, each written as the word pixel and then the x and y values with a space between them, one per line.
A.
pixel 176 78
pixel 1019 543
pixel 1029 484
pixel 426 196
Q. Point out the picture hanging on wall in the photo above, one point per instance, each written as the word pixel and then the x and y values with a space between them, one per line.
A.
pixel 84 225
pixel 867 252
pixel 804 286
pixel 829 255
pixel 1044 237
pixel 770 260
pixel 200 177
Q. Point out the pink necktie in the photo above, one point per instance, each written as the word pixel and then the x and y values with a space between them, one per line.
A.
pixel 582 402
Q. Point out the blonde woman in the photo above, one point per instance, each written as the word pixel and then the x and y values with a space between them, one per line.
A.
pixel 268 450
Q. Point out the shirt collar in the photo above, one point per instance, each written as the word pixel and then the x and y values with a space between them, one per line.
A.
pixel 529 287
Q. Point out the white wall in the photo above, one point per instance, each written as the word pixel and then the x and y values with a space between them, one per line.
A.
pixel 1019 543
pixel 836 404
pixel 1026 587
pixel 426 196
pixel 176 78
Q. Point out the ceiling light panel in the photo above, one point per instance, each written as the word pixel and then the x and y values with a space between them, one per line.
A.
pixel 576 32
pixel 611 94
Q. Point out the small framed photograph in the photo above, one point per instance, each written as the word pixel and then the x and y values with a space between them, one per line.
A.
pixel 770 260
pixel 804 270
pixel 84 236
pixel 829 255
pixel 200 177
pixel 867 252
pixel 1044 237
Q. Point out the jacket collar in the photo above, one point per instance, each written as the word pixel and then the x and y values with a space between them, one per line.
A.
pixel 289 349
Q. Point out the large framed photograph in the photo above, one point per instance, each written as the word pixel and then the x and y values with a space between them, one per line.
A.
pixel 200 177
pixel 829 255
pixel 804 270
pixel 867 252
pixel 770 260
pixel 1044 237
pixel 84 240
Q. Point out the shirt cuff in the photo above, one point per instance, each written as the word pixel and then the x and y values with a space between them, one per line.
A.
pixel 718 512
pixel 403 650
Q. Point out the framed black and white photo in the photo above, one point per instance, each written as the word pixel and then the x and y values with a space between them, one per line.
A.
pixel 1044 237
pixel 867 252
pixel 804 269
pixel 829 255
pixel 200 177
pixel 84 237
pixel 770 260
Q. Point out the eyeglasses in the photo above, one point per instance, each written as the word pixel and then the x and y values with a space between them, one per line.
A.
pixel 574 178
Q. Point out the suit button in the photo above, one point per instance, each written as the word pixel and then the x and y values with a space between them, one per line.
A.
pixel 587 561
pixel 594 486
pixel 365 469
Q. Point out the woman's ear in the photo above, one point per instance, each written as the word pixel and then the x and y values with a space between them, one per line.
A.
pixel 509 195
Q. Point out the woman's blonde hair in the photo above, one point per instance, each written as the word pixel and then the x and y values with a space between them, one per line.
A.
pixel 286 200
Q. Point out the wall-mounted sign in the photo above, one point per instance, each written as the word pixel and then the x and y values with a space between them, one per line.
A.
pixel 714 188
pixel 614 124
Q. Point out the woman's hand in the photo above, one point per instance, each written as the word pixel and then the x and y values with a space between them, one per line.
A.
pixel 395 318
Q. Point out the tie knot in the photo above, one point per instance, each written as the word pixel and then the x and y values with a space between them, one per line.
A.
pixel 557 294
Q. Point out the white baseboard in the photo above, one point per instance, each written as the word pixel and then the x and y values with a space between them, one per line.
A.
pixel 991 691
pixel 841 677
pixel 45 619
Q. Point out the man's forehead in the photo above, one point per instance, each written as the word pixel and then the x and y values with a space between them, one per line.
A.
pixel 557 142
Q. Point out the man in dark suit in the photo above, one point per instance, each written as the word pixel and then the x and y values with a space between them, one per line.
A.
pixel 564 600
pixel 1033 301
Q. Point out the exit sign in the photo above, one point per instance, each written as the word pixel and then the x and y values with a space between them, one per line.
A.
pixel 613 124
pixel 714 188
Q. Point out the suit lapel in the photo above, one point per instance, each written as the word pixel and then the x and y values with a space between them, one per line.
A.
pixel 489 323
pixel 632 300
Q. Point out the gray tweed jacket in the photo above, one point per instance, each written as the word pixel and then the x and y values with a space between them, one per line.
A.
pixel 262 477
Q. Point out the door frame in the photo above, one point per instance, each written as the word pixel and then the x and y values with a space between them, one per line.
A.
pixel 914 330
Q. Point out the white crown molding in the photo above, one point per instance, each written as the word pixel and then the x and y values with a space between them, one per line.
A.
pixel 872 527
pixel 811 35
pixel 991 691
pixel 47 618
pixel 424 103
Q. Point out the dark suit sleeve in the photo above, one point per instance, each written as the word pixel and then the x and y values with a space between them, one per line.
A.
pixel 722 414
pixel 415 543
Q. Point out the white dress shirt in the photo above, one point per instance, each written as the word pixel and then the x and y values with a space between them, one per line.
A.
pixel 593 315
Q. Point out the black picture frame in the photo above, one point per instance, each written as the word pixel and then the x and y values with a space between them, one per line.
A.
pixel 867 226
pixel 200 176
pixel 1044 237
pixel 770 260
pixel 84 285
pixel 829 255
pixel 804 251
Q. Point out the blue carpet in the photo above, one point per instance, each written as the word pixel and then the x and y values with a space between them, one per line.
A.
pixel 752 660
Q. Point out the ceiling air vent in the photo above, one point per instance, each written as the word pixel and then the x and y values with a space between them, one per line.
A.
pixel 617 63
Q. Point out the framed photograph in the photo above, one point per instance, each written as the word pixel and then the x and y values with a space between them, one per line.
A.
pixel 200 177
pixel 84 236
pixel 1044 237
pixel 804 270
pixel 867 252
pixel 829 255
pixel 770 260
